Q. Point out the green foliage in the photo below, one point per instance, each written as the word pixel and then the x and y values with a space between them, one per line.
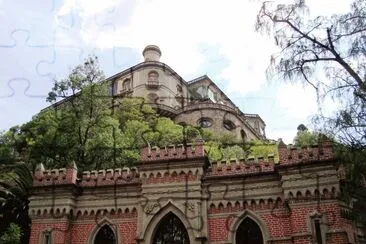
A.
pixel 306 138
pixel 12 235
pixel 262 148
pixel 14 193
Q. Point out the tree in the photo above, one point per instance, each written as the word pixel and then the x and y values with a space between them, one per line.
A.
pixel 12 235
pixel 15 182
pixel 335 44
pixel 304 137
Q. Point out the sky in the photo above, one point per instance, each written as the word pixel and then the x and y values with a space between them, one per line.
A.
pixel 41 40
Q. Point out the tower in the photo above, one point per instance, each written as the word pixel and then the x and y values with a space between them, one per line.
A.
pixel 152 53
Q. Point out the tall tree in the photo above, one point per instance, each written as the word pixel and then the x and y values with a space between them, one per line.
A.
pixel 336 44
pixel 304 137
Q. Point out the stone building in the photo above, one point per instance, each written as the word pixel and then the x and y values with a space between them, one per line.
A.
pixel 174 195
pixel 196 102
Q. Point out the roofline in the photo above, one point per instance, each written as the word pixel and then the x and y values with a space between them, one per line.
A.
pixel 124 72
pixel 254 115
pixel 205 77
pixel 138 66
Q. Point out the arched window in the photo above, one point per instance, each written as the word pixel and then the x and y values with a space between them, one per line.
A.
pixel 171 230
pixel 105 235
pixel 126 85
pixel 243 135
pixel 229 125
pixel 205 122
pixel 248 232
pixel 153 78
pixel 152 98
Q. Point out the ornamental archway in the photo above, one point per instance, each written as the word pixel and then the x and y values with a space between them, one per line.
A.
pixel 105 235
pixel 171 230
pixel 248 232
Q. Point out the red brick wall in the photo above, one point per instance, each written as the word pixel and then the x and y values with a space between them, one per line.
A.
pixel 60 231
pixel 128 231
pixel 296 225
pixel 79 232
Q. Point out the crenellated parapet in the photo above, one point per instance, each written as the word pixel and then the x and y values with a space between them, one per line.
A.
pixel 62 176
pixel 110 177
pixel 242 167
pixel 172 152
pixel 290 155
pixel 287 156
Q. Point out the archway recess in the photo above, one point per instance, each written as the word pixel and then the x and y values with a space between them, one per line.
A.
pixel 248 232
pixel 105 235
pixel 171 230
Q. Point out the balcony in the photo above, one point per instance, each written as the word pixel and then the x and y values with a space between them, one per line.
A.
pixel 152 84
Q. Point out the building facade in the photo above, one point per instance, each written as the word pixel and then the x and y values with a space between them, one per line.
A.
pixel 174 195
pixel 196 102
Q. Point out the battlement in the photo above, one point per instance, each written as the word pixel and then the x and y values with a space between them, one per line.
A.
pixel 172 152
pixel 287 156
pixel 242 167
pixel 110 177
pixel 63 176
pixel 290 155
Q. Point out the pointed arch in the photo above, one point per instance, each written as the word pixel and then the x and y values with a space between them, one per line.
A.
pixel 170 230
pixel 105 232
pixel 152 227
pixel 247 218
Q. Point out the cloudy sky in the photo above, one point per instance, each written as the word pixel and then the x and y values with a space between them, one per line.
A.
pixel 41 40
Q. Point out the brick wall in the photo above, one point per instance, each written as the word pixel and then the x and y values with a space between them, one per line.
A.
pixel 281 223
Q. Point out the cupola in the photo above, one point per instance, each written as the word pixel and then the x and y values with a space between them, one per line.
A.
pixel 152 53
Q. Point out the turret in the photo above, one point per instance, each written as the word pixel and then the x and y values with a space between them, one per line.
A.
pixel 152 53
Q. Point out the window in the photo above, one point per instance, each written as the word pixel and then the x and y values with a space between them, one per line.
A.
pixel 243 135
pixel 229 125
pixel 179 89
pixel 126 85
pixel 47 237
pixel 152 98
pixel 248 232
pixel 171 230
pixel 318 228
pixel 318 232
pixel 205 122
pixel 153 79
pixel 105 236
pixel 211 96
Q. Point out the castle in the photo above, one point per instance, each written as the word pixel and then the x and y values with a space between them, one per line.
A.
pixel 198 102
pixel 174 195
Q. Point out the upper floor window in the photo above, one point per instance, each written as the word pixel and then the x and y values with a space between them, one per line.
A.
pixel 153 79
pixel 211 95
pixel 229 125
pixel 243 135
pixel 152 98
pixel 153 76
pixel 126 85
pixel 205 122
pixel 179 89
